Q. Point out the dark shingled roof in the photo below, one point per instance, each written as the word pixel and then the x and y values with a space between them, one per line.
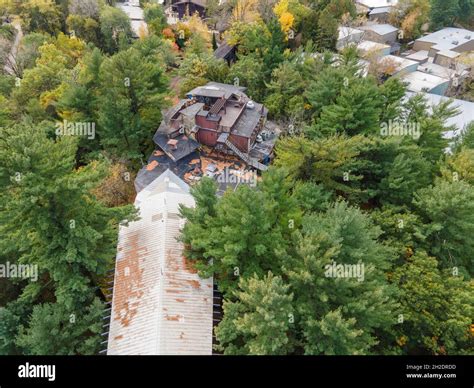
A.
pixel 192 110
pixel 223 50
pixel 248 120
pixel 184 147
pixel 164 128
pixel 162 163
pixel 168 115
pixel 201 3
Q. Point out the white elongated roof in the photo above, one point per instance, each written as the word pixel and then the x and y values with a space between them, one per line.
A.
pixel 460 121
pixel 160 304
pixel 377 3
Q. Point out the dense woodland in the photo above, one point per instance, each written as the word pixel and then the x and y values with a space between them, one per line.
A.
pixel 337 190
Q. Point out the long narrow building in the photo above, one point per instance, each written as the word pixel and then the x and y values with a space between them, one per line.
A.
pixel 160 305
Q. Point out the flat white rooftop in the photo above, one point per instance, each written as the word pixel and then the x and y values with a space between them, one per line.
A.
pixel 441 71
pixel 399 62
pixel 419 56
pixel 460 121
pixel 422 82
pixel 448 38
pixel 134 12
pixel 380 29
pixel 136 16
pixel 377 3
pixel 344 32
pixel 366 47
pixel 449 53
pixel 138 26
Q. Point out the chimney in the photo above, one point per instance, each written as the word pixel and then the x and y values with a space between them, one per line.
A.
pixel 173 144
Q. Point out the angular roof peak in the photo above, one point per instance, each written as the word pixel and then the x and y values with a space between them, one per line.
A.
pixel 168 181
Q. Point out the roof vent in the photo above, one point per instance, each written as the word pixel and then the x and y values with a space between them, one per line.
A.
pixel 468 37
pixel 455 42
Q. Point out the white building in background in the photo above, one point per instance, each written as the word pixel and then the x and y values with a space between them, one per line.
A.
pixel 377 3
pixel 375 7
pixel 160 305
pixel 418 81
pixel 380 33
pixel 460 121
pixel 400 66
pixel 136 16
pixel 380 15
pixel 367 49
pixel 348 35
pixel 447 43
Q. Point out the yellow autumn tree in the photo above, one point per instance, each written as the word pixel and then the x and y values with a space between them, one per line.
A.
pixel 245 11
pixel 117 189
pixel 379 67
pixel 142 31
pixel 55 63
pixel 411 16
pixel 467 59
pixel 285 17
pixel 287 21
pixel 281 7
pixel 194 28
pixel 7 6
pixel 409 23
pixel 460 166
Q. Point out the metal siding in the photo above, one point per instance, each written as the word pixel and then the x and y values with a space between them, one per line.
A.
pixel 162 306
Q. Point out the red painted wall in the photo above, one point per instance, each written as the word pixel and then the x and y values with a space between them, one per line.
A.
pixel 204 123
pixel 207 137
pixel 241 142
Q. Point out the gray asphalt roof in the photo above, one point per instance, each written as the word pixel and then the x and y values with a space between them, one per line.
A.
pixel 248 121
pixel 381 29
pixel 185 146
pixel 223 50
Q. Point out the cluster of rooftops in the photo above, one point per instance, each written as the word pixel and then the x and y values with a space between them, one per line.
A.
pixel 432 64
pixel 217 121
pixel 175 10
pixel 160 304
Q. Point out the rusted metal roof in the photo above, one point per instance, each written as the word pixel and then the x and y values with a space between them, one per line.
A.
pixel 160 304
